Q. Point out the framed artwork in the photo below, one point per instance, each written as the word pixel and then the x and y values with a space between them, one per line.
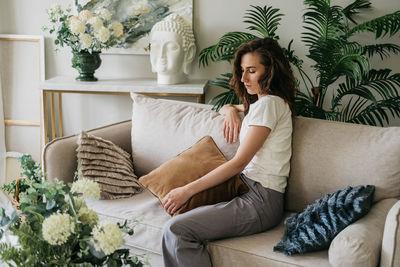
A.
pixel 138 17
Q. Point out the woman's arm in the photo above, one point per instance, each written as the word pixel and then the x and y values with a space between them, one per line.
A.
pixel 252 142
pixel 232 122
pixel 239 108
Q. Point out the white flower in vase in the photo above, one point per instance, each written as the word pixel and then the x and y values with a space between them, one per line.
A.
pixel 85 15
pixel 103 34
pixel 85 41
pixel 105 14
pixel 76 26
pixel 96 23
pixel 117 29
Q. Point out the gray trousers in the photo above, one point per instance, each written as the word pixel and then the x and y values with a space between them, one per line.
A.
pixel 184 236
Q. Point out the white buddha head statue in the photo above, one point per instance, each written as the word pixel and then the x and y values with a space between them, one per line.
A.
pixel 172 49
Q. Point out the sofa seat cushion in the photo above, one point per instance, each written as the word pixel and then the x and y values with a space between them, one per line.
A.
pixel 257 250
pixel 254 250
pixel 143 207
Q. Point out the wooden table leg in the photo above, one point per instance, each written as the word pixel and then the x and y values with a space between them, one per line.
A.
pixel 44 119
pixel 200 99
pixel 52 117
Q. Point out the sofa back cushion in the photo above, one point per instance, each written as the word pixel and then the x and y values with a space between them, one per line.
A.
pixel 161 129
pixel 331 155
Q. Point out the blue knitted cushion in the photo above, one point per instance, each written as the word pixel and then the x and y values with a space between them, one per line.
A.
pixel 315 227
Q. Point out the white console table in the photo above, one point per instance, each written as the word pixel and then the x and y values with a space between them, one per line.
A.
pixel 59 85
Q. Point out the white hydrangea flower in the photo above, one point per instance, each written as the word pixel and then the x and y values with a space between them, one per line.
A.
pixel 85 15
pixel 107 237
pixel 117 28
pixel 87 188
pixel 85 40
pixel 57 228
pixel 96 23
pixel 105 14
pixel 85 215
pixel 76 26
pixel 103 34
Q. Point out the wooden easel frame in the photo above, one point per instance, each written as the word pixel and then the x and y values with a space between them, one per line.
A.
pixel 39 39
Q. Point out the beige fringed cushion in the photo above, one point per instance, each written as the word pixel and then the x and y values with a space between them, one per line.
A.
pixel 107 164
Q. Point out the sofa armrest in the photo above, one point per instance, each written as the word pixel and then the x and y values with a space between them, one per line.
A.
pixel 359 244
pixel 390 254
pixel 59 155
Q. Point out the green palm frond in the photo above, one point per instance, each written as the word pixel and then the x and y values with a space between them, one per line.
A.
pixel 333 55
pixel 298 63
pixel 375 83
pixel 304 107
pixel 363 113
pixel 225 48
pixel 383 50
pixel 289 52
pixel 264 20
pixel 224 81
pixel 228 97
pixel 351 63
pixel 387 24
pixel 348 61
pixel 353 9
pixel 350 109
pixel 366 109
pixel 323 22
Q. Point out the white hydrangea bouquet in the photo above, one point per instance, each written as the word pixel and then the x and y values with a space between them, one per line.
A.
pixel 55 227
pixel 85 32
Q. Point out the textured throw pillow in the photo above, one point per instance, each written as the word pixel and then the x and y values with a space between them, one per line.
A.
pixel 315 227
pixel 107 164
pixel 188 166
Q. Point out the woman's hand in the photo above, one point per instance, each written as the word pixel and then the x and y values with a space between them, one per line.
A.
pixel 232 123
pixel 175 199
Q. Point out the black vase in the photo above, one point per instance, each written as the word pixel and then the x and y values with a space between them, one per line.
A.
pixel 86 63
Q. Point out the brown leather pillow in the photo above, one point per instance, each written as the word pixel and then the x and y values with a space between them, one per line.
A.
pixel 189 166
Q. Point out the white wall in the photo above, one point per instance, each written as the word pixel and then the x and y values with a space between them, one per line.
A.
pixel 211 20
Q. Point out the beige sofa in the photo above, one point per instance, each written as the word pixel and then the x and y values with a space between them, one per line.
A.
pixel 326 156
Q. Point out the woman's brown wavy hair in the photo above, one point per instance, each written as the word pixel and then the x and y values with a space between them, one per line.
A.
pixel 278 79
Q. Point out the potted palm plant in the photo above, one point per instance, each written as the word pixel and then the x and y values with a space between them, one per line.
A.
pixel 360 93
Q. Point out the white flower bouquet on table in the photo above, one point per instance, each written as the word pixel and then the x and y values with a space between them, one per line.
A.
pixel 86 32
pixel 55 227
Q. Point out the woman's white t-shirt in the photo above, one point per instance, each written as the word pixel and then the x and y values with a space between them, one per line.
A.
pixel 271 164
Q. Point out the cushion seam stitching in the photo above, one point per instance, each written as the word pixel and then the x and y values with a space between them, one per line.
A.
pixel 251 253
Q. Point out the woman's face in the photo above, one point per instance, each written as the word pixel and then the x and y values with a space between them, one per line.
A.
pixel 252 70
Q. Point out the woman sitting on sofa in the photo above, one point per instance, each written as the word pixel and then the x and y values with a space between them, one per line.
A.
pixel 264 82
